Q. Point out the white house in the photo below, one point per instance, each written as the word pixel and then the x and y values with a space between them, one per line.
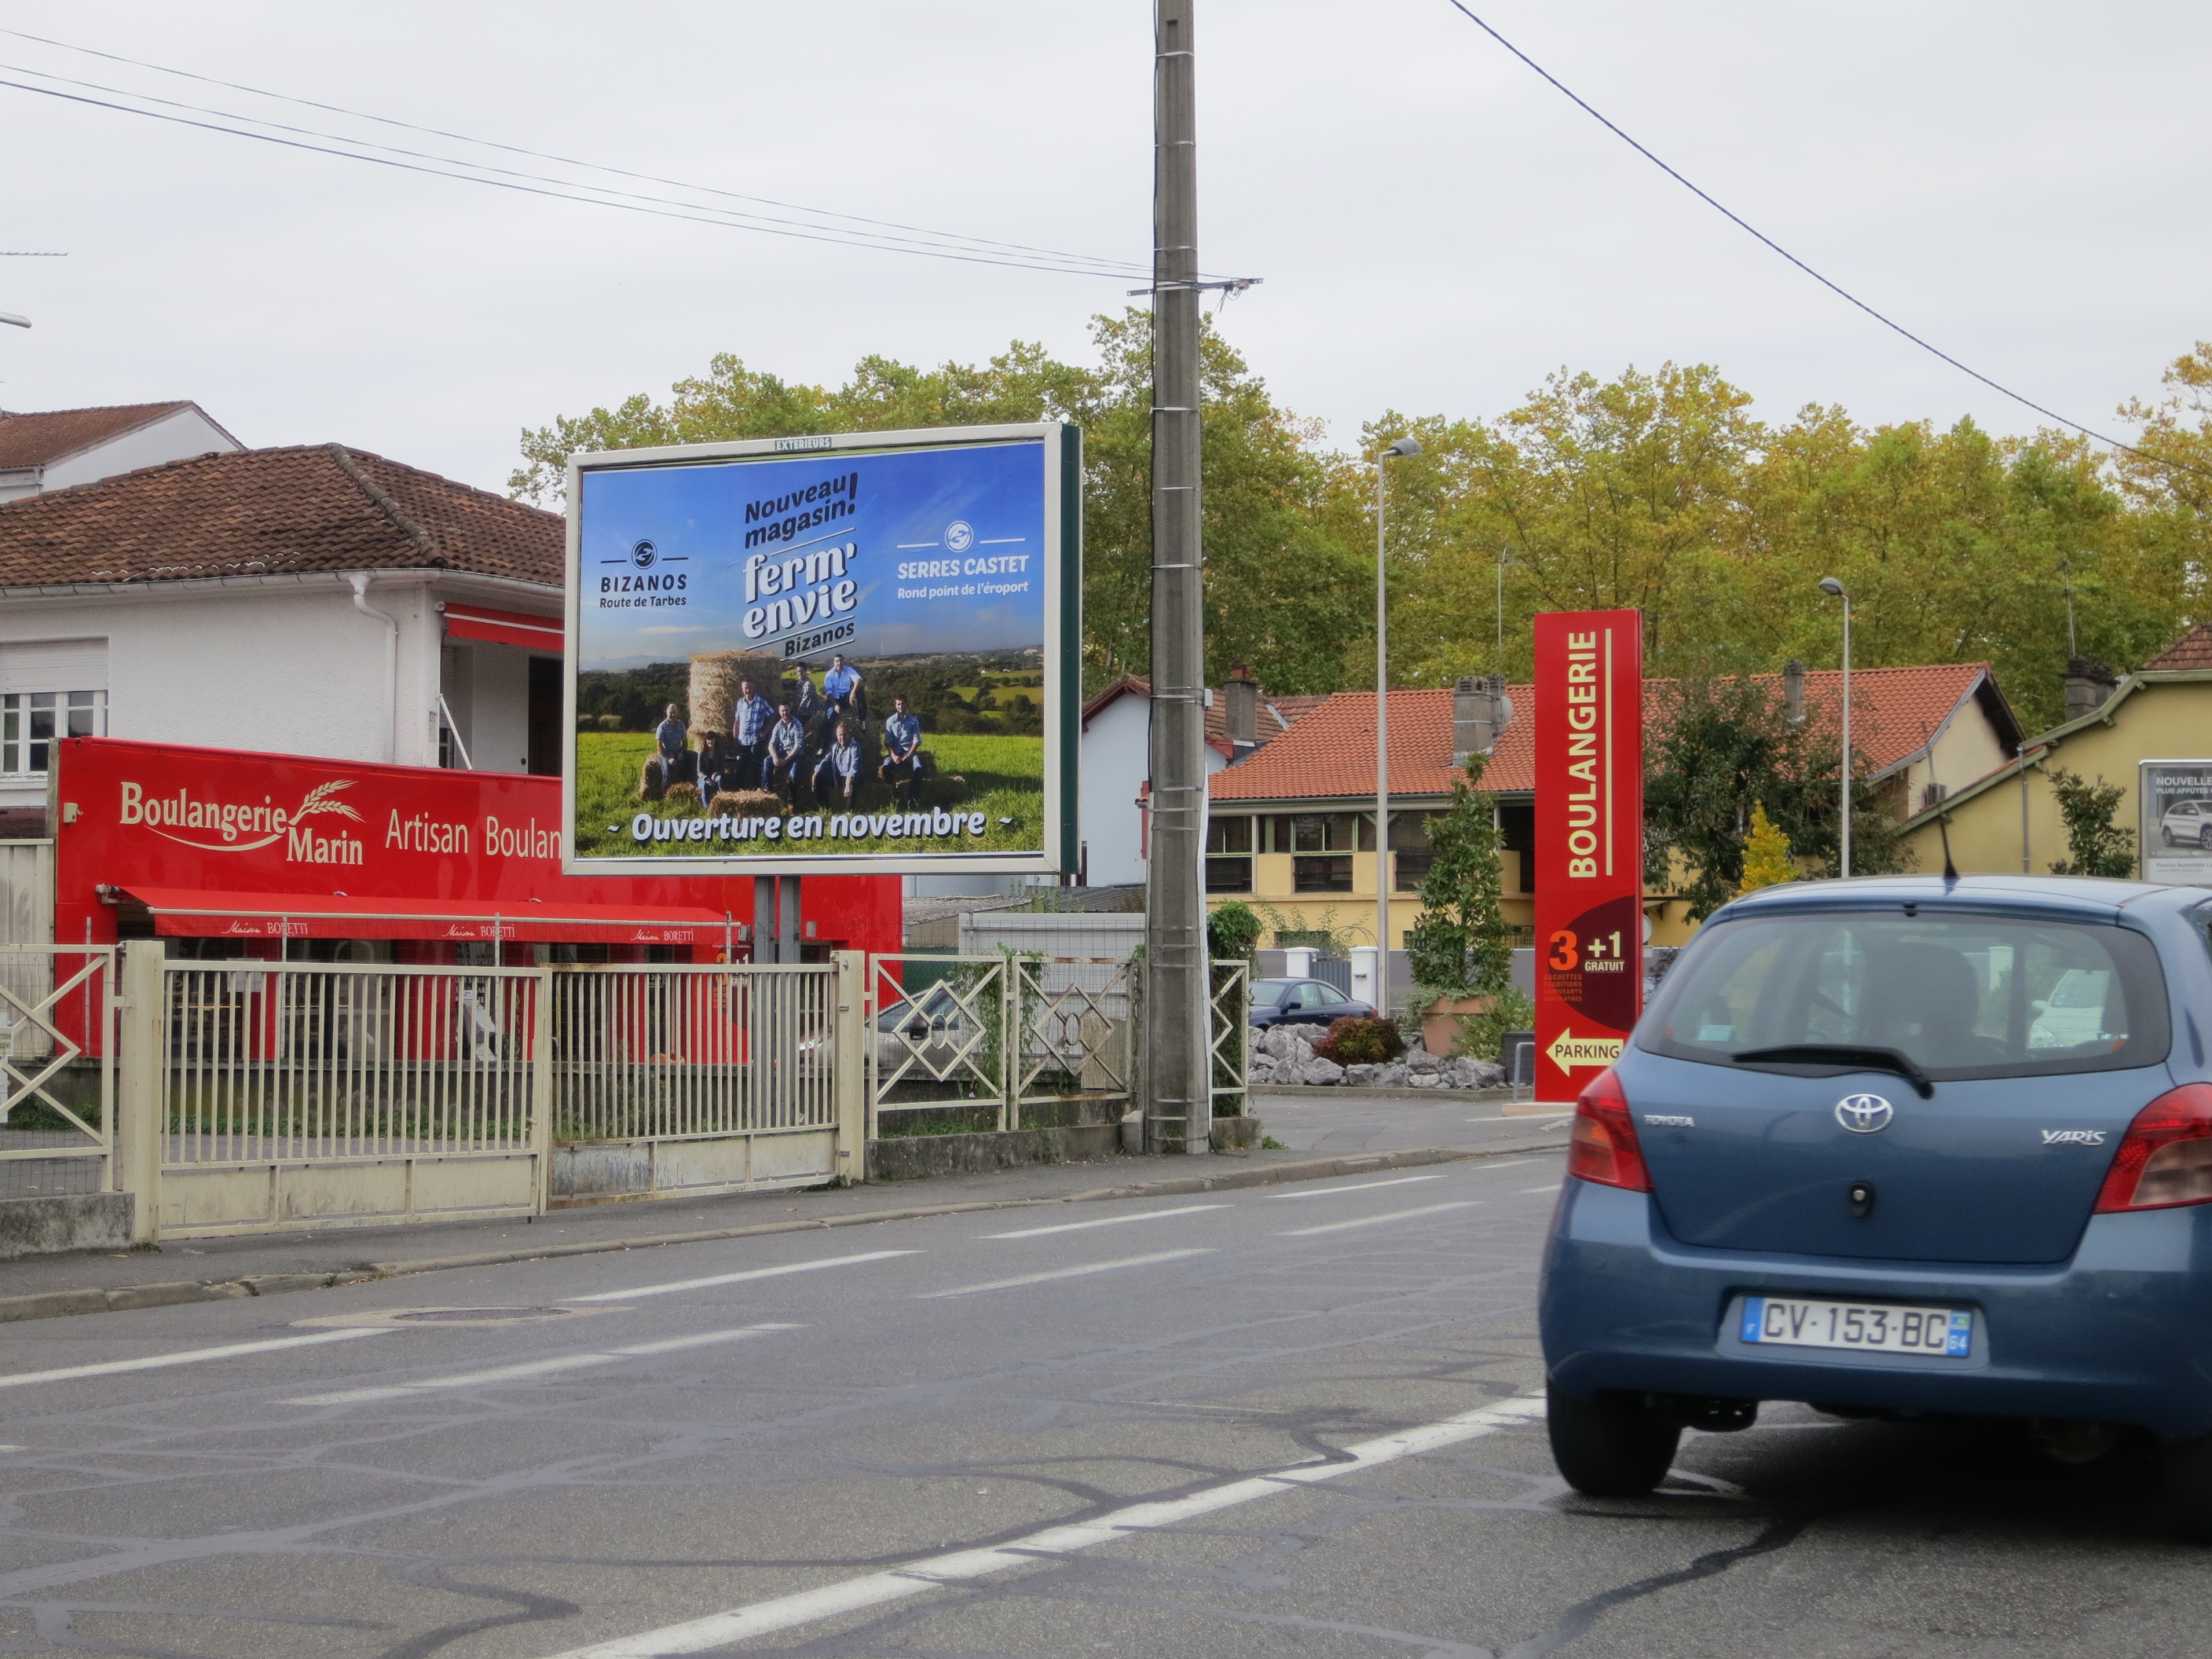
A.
pixel 316 600
pixel 1117 761
pixel 58 449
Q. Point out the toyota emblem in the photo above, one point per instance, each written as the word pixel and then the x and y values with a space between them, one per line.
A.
pixel 1864 1114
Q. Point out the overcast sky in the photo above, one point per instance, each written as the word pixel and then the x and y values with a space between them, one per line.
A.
pixel 2024 183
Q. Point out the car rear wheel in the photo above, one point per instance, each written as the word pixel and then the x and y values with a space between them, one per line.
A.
pixel 2189 1488
pixel 1611 1445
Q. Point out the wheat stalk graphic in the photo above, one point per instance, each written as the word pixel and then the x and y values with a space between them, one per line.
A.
pixel 318 800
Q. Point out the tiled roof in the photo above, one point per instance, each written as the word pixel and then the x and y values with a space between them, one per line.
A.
pixel 317 507
pixel 1277 715
pixel 1895 713
pixel 2192 650
pixel 36 439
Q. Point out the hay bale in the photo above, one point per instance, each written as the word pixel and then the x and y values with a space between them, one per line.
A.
pixel 648 779
pixel 745 803
pixel 714 689
pixel 682 795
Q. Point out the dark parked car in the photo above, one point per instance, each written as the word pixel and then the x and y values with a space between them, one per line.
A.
pixel 1901 1147
pixel 1303 1002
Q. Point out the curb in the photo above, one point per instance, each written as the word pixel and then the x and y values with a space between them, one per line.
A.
pixel 53 1304
pixel 1344 1091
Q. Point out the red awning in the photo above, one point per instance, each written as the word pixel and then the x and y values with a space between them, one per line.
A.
pixel 476 621
pixel 197 913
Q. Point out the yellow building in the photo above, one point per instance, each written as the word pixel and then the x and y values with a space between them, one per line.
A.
pixel 1291 821
pixel 2008 821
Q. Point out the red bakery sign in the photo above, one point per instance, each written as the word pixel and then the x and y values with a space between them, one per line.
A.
pixel 220 842
pixel 1590 843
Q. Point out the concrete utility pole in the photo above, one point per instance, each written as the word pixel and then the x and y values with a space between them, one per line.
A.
pixel 1177 1060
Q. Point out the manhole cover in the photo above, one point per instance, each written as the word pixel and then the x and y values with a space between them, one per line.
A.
pixel 474 1316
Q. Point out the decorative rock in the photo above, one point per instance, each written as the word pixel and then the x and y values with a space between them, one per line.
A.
pixel 1392 1075
pixel 1320 1071
pixel 1426 1080
pixel 1420 1060
pixel 1358 1076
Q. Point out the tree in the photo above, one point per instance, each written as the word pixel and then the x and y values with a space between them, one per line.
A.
pixel 2099 847
pixel 1460 944
pixel 1766 853
pixel 1723 744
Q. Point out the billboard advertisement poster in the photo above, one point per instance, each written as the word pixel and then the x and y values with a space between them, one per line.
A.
pixel 2176 797
pixel 832 654
pixel 1590 843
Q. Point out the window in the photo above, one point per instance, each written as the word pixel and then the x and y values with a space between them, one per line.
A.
pixel 1411 856
pixel 31 721
pixel 1964 996
pixel 1325 996
pixel 1323 832
pixel 1229 855
pixel 1312 874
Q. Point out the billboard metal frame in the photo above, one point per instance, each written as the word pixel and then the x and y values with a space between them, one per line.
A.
pixel 1062 446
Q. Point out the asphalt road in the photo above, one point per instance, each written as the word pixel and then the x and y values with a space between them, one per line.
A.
pixel 1280 1421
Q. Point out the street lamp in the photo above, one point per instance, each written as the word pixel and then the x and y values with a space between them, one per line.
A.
pixel 1834 590
pixel 1397 451
pixel 13 320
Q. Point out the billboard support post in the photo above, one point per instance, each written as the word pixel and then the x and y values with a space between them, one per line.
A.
pixel 1178 1075
pixel 1590 844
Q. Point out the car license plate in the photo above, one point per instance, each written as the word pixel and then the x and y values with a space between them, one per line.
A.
pixel 1871 1326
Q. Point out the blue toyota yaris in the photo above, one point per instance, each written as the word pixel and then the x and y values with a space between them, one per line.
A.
pixel 1900 1146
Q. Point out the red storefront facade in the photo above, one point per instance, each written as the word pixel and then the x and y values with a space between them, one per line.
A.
pixel 257 855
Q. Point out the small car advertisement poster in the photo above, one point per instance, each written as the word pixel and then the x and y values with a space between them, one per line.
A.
pixel 2177 822
pixel 1590 843
pixel 847 653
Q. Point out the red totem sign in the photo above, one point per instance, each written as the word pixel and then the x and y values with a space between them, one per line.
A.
pixel 1590 843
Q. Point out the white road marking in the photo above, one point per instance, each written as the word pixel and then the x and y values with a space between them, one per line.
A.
pixel 190 1356
pixel 674 1286
pixel 1061 1273
pixel 1553 1187
pixel 956 1566
pixel 1509 1163
pixel 566 1362
pixel 1377 1220
pixel 1108 1221
pixel 1364 1187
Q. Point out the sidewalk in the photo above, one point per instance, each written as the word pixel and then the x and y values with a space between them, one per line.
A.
pixel 263 1264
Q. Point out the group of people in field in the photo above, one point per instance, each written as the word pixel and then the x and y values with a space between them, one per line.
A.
pixel 814 741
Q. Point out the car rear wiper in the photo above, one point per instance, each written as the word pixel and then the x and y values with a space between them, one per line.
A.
pixel 1857 1056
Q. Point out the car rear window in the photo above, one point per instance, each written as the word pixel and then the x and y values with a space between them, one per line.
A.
pixel 1964 996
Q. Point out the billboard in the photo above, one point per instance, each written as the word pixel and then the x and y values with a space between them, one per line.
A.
pixel 1590 843
pixel 2176 800
pixel 832 654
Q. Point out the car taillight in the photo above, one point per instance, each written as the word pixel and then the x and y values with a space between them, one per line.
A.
pixel 1604 1148
pixel 2165 1158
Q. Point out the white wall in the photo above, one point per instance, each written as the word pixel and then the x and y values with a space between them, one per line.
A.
pixel 293 669
pixel 488 689
pixel 1117 758
pixel 172 438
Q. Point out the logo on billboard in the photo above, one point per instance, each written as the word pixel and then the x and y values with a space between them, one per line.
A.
pixel 959 537
pixel 643 555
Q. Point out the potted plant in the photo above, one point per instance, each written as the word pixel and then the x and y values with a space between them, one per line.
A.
pixel 1461 948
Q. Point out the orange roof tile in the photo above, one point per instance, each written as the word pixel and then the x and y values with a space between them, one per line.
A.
pixel 1895 714
pixel 317 507
pixel 2192 650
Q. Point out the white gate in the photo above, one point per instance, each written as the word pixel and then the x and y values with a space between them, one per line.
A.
pixel 306 1094
pixel 57 1070
pixel 673 1081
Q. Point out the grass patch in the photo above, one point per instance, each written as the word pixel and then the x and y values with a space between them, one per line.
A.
pixel 1005 776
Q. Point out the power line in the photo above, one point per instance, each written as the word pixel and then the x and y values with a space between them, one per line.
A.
pixel 699 217
pixel 748 221
pixel 1836 289
pixel 543 155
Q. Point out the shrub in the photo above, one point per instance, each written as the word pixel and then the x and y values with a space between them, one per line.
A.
pixel 1233 930
pixel 1356 1040
pixel 1481 1035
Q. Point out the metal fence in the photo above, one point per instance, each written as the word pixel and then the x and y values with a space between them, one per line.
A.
pixel 672 1052
pixel 57 1070
pixel 306 1061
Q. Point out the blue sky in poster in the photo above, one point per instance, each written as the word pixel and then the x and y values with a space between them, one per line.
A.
pixel 946 553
